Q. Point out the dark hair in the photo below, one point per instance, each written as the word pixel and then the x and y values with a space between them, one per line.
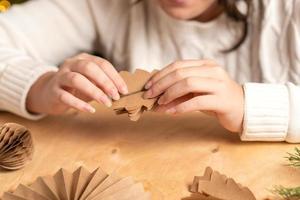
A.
pixel 231 9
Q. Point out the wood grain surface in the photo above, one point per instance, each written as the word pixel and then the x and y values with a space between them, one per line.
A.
pixel 164 152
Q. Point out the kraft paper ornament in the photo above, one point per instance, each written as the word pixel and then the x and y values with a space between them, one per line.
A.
pixel 16 146
pixel 133 103
pixel 215 186
pixel 80 185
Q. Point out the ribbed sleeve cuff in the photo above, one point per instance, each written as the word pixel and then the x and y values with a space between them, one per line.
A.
pixel 15 83
pixel 266 116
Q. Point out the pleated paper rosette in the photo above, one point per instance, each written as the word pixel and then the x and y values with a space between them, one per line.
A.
pixel 80 185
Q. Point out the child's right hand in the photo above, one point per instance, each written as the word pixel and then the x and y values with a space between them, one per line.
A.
pixel 80 79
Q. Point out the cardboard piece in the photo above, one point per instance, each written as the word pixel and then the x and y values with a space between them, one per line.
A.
pixel 215 186
pixel 133 103
pixel 16 146
pixel 80 185
pixel 81 179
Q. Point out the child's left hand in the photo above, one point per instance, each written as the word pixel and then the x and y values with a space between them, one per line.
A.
pixel 199 85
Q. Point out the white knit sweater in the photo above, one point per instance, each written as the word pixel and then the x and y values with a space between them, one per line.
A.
pixel 37 36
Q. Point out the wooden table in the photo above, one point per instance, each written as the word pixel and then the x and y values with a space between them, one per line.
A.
pixel 164 152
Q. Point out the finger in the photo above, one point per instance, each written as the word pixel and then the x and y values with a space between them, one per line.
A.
pixel 176 65
pixel 198 103
pixel 163 108
pixel 190 85
pixel 83 85
pixel 182 73
pixel 94 73
pixel 81 96
pixel 74 102
pixel 112 73
pixel 77 94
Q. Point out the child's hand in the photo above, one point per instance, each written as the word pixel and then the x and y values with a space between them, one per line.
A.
pixel 199 85
pixel 79 80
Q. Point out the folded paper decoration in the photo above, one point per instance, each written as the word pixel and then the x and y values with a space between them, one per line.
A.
pixel 215 186
pixel 133 103
pixel 80 185
pixel 16 146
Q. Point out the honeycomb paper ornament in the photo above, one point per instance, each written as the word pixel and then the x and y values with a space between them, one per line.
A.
pixel 215 186
pixel 80 185
pixel 133 103
pixel 16 146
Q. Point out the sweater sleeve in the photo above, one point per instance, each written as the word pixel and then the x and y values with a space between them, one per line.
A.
pixel 266 112
pixel 272 111
pixel 34 38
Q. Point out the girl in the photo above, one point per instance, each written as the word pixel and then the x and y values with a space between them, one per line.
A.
pixel 218 49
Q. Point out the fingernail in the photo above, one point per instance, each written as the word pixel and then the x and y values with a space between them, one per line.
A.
pixel 115 95
pixel 171 111
pixel 148 85
pixel 148 94
pixel 106 101
pixel 124 90
pixel 161 101
pixel 90 109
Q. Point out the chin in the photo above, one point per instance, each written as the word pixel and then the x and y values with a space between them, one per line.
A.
pixel 185 9
pixel 180 14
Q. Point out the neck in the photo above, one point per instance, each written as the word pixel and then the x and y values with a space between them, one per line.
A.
pixel 211 13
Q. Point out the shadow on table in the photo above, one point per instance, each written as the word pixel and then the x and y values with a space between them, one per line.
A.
pixel 105 125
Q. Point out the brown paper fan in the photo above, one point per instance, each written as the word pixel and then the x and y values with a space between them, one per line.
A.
pixel 16 146
pixel 215 186
pixel 134 104
pixel 80 185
